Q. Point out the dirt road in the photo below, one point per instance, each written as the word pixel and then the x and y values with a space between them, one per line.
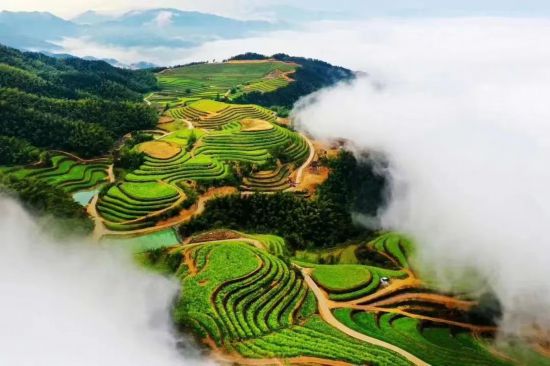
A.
pixel 326 314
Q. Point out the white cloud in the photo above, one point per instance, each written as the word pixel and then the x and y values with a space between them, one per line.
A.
pixel 463 117
pixel 233 8
pixel 76 304
pixel 163 19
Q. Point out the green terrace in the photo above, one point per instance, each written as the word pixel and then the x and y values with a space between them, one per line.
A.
pixel 213 80
pixel 64 172
pixel 248 300
pixel 136 205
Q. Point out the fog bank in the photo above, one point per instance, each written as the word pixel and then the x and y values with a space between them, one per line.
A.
pixel 77 304
pixel 460 109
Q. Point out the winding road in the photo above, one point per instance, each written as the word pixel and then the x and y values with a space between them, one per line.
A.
pixel 300 171
pixel 326 314
pixel 324 307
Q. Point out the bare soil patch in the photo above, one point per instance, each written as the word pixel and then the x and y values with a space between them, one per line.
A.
pixel 159 149
pixel 250 124
pixel 250 61
pixel 165 119
pixel 214 236
pixel 313 178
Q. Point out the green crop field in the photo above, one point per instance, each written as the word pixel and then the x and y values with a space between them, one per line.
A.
pixel 212 80
pixel 213 152
pixel 243 296
pixel 135 204
pixel 437 346
pixel 66 173
pixel 250 301
pixel 345 282
pixel 343 277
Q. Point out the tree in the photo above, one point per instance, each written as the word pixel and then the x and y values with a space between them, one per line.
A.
pixel 129 159
pixel 191 141
pixel 14 151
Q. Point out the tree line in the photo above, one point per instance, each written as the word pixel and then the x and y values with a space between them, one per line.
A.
pixel 353 185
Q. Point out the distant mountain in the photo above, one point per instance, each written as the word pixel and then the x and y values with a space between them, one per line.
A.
pixel 172 28
pixel 91 17
pixel 142 65
pixel 45 25
pixel 134 66
pixel 147 28
pixel 33 30
pixel 113 62
pixel 12 39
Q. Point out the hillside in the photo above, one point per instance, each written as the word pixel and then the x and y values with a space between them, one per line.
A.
pixel 140 28
pixel 251 217
pixel 70 104
pixel 275 82
pixel 310 76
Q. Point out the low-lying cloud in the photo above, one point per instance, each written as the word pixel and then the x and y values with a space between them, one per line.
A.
pixel 459 106
pixel 163 19
pixel 460 109
pixel 78 304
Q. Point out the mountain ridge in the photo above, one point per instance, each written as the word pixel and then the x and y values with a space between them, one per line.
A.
pixel 167 27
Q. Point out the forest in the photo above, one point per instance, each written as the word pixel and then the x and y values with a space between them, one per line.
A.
pixel 71 104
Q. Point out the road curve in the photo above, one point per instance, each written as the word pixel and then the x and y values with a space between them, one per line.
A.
pixel 300 170
pixel 327 316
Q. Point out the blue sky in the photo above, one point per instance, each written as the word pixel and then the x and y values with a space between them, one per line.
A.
pixel 341 9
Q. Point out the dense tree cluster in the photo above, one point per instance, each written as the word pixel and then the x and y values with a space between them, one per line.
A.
pixel 303 223
pixel 61 103
pixel 52 131
pixel 324 221
pixel 44 200
pixel 248 56
pixel 71 78
pixel 356 184
pixel 128 158
pixel 14 151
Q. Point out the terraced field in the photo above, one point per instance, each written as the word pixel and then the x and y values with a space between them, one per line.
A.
pixel 249 301
pixel 249 305
pixel 254 147
pixel 213 80
pixel 269 181
pixel 267 85
pixel 435 345
pixel 211 156
pixel 224 134
pixel 66 173
pixel 216 115
pixel 136 205
pixel 234 113
pixel 181 167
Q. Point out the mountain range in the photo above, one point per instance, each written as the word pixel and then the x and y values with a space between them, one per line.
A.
pixel 144 28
